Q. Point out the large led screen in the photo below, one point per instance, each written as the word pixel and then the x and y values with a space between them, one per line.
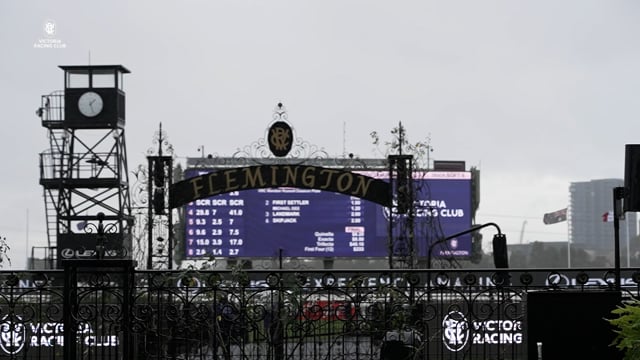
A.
pixel 313 223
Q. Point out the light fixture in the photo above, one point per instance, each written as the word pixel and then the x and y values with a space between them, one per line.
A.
pixel 500 255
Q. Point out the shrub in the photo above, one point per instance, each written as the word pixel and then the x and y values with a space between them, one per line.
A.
pixel 627 326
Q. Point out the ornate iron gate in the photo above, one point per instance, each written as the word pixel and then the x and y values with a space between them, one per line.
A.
pixel 108 310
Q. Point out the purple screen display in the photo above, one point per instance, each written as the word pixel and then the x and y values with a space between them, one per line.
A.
pixel 314 223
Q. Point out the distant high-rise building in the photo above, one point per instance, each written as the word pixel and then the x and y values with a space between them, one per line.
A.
pixel 591 218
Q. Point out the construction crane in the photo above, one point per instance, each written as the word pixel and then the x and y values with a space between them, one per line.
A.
pixel 524 224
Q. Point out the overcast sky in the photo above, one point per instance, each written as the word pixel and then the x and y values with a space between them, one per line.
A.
pixel 536 94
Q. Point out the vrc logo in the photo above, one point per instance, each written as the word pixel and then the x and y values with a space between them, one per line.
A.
pixel 455 334
pixel 49 28
pixel 12 335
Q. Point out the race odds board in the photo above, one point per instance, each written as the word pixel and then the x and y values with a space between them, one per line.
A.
pixel 313 223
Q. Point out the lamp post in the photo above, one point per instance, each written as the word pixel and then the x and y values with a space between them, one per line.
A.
pixel 499 248
pixel 499 245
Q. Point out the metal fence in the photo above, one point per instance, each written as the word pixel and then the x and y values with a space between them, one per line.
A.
pixel 113 311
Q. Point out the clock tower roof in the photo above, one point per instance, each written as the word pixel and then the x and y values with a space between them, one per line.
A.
pixel 72 68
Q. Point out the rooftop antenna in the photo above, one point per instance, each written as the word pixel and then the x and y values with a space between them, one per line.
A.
pixel 429 151
pixel 89 57
pixel 344 138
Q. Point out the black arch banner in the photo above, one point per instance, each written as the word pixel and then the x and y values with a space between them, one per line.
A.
pixel 270 176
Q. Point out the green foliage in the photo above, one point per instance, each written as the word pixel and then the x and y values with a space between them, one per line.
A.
pixel 627 326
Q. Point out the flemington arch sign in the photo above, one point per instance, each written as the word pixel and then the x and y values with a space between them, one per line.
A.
pixel 287 188
pixel 273 176
pixel 280 139
pixel 281 196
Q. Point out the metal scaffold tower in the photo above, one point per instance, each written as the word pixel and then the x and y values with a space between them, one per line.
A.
pixel 84 171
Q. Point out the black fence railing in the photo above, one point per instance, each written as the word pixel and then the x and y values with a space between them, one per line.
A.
pixel 113 311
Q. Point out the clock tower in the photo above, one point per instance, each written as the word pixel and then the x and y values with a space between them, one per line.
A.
pixel 93 96
pixel 84 171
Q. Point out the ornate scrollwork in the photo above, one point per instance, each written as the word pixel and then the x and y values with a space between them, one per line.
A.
pixel 146 175
pixel 102 250
pixel 163 144
pixel 139 191
pixel 280 113
pixel 259 153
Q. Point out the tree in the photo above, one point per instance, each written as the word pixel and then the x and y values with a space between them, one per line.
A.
pixel 400 144
pixel 625 322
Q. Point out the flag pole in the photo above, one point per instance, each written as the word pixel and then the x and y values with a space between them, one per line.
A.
pixel 568 245
pixel 568 252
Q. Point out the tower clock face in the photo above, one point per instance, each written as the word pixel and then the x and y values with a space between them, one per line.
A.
pixel 90 104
